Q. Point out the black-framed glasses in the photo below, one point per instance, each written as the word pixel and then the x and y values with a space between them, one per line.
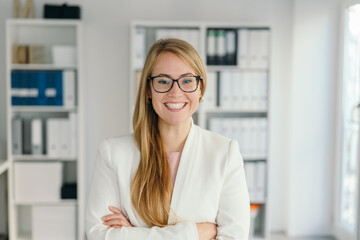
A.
pixel 163 83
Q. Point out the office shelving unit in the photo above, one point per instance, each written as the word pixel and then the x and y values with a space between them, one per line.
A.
pixel 47 33
pixel 246 63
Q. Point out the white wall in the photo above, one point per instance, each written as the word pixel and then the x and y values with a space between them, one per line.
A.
pixel 280 90
pixel 302 88
pixel 313 84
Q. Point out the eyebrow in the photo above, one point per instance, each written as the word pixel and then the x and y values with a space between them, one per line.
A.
pixel 182 75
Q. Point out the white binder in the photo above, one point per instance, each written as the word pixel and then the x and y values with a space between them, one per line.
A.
pixel 210 93
pixel 68 88
pixel 243 50
pixel 36 136
pixel 17 129
pixel 52 137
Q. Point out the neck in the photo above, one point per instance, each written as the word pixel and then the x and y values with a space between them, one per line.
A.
pixel 174 136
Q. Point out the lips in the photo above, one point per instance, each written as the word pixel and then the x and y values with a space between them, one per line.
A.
pixel 175 106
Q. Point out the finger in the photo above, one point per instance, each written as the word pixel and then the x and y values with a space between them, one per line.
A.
pixel 121 222
pixel 114 226
pixel 114 210
pixel 113 216
pixel 108 216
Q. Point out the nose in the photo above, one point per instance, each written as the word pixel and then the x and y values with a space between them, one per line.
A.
pixel 175 90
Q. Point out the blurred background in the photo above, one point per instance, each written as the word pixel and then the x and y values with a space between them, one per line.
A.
pixel 311 79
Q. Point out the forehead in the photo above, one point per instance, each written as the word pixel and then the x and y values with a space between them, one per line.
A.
pixel 171 64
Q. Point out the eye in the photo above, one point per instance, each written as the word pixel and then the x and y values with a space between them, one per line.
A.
pixel 187 80
pixel 163 80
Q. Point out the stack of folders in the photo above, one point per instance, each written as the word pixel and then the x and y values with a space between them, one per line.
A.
pixel 191 35
pixel 210 99
pixel 55 137
pixel 243 90
pixel 221 47
pixel 253 48
pixel 43 88
pixel 251 134
pixel 255 173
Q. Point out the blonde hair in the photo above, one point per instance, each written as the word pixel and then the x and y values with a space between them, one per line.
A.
pixel 151 188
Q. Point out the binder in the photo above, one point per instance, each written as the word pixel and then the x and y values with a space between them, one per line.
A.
pixel 33 89
pixel 211 46
pixel 263 137
pixel 225 89
pixel 17 130
pixel 26 79
pixel 215 125
pixel 263 92
pixel 220 54
pixel 27 148
pixel 36 136
pixel 50 89
pixel 59 88
pixel 68 88
pixel 210 93
pixel 243 51
pixel 41 85
pixel 259 49
pixel 73 135
pixel 230 36
pixel 264 49
pixel 260 181
pixel 52 137
pixel 139 48
pixel 64 137
pixel 250 173
pixel 236 90
pixel 246 122
pixel 194 39
pixel 15 89
pixel 246 81
pixel 23 90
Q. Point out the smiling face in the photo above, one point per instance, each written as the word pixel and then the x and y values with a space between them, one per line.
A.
pixel 175 107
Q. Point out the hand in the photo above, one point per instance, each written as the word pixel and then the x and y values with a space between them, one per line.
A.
pixel 115 220
pixel 206 231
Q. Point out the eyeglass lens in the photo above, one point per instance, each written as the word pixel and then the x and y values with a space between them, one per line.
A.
pixel 164 83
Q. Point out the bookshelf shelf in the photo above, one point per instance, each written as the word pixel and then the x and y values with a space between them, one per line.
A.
pixel 28 157
pixel 67 202
pixel 37 109
pixel 4 165
pixel 46 131
pixel 40 67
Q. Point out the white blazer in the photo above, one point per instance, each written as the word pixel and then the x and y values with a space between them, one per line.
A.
pixel 210 186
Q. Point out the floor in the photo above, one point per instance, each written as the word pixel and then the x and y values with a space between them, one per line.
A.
pixel 283 237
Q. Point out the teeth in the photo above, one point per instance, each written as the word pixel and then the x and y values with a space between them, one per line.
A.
pixel 175 105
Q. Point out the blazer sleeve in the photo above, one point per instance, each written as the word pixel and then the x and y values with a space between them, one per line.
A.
pixel 233 218
pixel 104 191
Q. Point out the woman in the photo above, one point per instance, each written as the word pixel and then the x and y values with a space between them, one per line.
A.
pixel 170 179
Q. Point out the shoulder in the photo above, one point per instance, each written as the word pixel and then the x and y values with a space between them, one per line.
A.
pixel 218 145
pixel 113 146
pixel 213 139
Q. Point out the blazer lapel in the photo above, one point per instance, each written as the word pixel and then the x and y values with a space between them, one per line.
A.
pixel 188 156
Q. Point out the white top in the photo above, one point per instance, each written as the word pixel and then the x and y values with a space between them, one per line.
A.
pixel 174 160
pixel 210 186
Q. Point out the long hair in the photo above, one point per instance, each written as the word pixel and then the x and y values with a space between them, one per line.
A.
pixel 151 187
